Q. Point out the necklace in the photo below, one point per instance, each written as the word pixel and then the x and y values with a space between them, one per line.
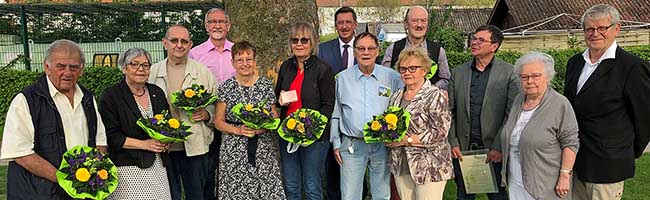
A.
pixel 141 94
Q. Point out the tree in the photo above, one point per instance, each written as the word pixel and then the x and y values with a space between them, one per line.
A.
pixel 266 25
pixel 383 9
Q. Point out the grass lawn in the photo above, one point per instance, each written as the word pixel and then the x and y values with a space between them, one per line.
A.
pixel 635 188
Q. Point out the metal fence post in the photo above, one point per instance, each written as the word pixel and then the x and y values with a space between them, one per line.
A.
pixel 23 21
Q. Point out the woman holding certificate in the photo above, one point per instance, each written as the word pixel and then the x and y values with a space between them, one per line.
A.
pixel 421 162
pixel 540 138
pixel 304 81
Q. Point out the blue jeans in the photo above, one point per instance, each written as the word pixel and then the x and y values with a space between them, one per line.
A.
pixel 460 184
pixel 305 165
pixel 188 172
pixel 353 169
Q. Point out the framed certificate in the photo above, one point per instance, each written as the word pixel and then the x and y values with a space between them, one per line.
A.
pixel 478 175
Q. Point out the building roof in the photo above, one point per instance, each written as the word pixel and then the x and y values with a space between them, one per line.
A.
pixel 107 7
pixel 513 13
pixel 466 19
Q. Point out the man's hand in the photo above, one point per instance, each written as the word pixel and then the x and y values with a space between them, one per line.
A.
pixel 200 115
pixel 337 156
pixel 455 153
pixel 494 156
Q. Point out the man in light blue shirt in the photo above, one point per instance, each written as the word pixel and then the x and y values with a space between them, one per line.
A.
pixel 361 92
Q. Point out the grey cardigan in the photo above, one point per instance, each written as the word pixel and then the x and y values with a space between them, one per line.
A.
pixel 552 127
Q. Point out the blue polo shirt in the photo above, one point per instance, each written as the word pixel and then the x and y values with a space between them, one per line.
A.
pixel 359 97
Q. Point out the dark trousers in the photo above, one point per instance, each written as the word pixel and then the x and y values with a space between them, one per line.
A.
pixel 187 175
pixel 212 167
pixel 460 184
pixel 333 176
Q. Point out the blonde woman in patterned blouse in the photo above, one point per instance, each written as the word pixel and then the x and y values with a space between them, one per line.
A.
pixel 421 162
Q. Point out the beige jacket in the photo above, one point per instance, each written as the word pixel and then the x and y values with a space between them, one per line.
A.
pixel 195 73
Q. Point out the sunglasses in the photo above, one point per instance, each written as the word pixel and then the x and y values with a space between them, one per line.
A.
pixel 177 40
pixel 301 40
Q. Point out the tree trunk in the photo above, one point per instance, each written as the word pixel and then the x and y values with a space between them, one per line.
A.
pixel 266 25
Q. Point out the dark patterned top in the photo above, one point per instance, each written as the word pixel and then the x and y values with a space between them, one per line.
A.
pixel 237 178
pixel 430 120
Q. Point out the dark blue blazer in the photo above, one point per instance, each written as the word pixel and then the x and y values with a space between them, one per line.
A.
pixel 330 53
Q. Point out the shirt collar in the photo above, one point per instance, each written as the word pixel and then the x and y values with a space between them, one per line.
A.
pixel 307 63
pixel 78 94
pixel 190 69
pixel 341 43
pixel 408 43
pixel 360 74
pixel 609 54
pixel 227 46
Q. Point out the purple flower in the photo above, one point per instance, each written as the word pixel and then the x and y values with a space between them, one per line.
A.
pixel 199 102
pixel 307 121
pixel 284 128
pixel 83 155
pixel 309 134
pixel 384 127
pixel 394 135
pixel 245 113
pixel 164 132
pixel 99 156
pixel 154 121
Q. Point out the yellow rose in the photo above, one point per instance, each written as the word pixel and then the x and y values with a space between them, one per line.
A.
pixel 291 124
pixel 174 123
pixel 302 114
pixel 266 111
pixel 375 126
pixel 103 174
pixel 392 127
pixel 189 93
pixel 391 119
pixel 82 174
pixel 248 107
pixel 159 117
pixel 300 128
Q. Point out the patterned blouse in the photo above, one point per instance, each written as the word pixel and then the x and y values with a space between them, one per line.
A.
pixel 430 120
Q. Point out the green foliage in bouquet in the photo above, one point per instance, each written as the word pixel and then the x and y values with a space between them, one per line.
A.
pixel 304 126
pixel 390 126
pixel 86 173
pixel 164 128
pixel 192 98
pixel 255 116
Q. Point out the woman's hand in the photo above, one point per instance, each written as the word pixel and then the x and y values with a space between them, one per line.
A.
pixel 396 144
pixel 153 145
pixel 200 115
pixel 563 185
pixel 245 131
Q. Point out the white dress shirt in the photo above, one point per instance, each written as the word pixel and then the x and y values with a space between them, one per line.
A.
pixel 350 51
pixel 590 67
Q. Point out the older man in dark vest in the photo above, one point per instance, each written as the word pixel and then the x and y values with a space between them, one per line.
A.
pixel 45 120
pixel 416 24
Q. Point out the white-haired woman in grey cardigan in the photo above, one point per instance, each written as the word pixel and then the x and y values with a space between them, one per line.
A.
pixel 540 138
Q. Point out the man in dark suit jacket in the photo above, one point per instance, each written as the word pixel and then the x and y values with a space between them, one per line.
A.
pixel 609 90
pixel 338 52
pixel 481 93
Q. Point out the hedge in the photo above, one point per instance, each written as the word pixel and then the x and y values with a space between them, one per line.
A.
pixel 99 78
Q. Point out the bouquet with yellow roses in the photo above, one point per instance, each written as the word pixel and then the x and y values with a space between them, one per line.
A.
pixel 255 116
pixel 390 126
pixel 192 98
pixel 165 128
pixel 302 128
pixel 86 173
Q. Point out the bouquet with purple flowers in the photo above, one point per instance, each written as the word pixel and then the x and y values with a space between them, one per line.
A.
pixel 302 128
pixel 86 173
pixel 192 98
pixel 165 128
pixel 390 126
pixel 255 116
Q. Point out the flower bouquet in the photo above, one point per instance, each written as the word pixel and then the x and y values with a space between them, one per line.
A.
pixel 165 128
pixel 86 173
pixel 390 126
pixel 302 128
pixel 255 116
pixel 192 98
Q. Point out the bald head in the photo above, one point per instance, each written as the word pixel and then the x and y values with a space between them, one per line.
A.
pixel 416 23
pixel 416 11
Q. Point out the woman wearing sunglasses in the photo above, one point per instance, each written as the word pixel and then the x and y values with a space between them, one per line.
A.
pixel 310 84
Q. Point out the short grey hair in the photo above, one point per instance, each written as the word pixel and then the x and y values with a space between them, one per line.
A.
pixel 131 54
pixel 67 46
pixel 406 16
pixel 213 10
pixel 535 56
pixel 601 11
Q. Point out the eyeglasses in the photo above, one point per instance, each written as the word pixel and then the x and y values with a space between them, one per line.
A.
pixel 244 60
pixel 364 49
pixel 71 67
pixel 600 29
pixel 534 77
pixel 411 69
pixel 218 21
pixel 301 40
pixel 479 40
pixel 137 66
pixel 177 40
